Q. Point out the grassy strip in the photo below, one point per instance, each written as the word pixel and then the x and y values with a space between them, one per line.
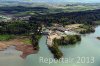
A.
pixel 27 41
pixel 5 37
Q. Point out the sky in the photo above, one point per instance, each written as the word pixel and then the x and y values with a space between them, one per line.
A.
pixel 59 1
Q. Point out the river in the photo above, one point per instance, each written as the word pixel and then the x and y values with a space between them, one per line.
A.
pixel 85 53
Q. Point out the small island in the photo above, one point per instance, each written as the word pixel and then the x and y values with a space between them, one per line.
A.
pixel 98 38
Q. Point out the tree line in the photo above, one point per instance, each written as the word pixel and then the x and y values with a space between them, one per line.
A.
pixel 82 17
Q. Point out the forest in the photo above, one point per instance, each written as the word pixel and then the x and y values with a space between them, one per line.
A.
pixel 17 9
pixel 82 17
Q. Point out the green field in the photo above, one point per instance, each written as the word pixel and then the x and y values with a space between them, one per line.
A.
pixel 6 37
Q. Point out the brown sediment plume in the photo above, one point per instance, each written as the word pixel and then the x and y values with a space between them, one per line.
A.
pixel 20 46
pixel 3 46
pixel 26 50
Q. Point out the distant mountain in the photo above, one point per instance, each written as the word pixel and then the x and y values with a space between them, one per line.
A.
pixel 30 4
pixel 69 6
pixel 17 9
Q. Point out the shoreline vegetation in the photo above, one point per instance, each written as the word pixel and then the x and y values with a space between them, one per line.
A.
pixel 64 40
pixel 69 39
pixel 55 51
pixel 87 29
pixel 81 28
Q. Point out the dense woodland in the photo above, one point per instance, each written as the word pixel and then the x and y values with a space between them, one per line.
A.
pixel 83 17
pixel 55 51
pixel 17 9
pixel 18 27
pixel 67 40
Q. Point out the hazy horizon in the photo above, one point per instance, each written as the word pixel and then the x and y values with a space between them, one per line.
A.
pixel 57 1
